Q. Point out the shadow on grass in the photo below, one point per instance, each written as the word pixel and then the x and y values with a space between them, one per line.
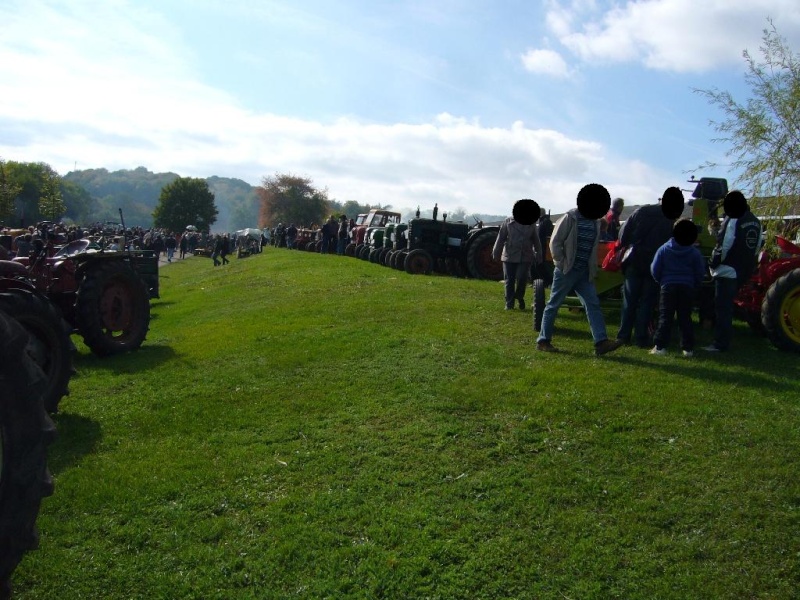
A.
pixel 147 357
pixel 706 368
pixel 77 437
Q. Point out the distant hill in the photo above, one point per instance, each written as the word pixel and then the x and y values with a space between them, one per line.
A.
pixel 136 192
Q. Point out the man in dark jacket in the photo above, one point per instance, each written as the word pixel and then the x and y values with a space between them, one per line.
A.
pixel 644 232
pixel 732 263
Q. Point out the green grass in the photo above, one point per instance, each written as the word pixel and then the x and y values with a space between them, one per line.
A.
pixel 309 426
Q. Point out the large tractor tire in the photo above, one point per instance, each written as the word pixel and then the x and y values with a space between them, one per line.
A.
pixel 780 312
pixel 113 309
pixel 538 303
pixel 480 263
pixel 350 250
pixel 49 343
pixel 25 432
pixel 399 260
pixel 418 262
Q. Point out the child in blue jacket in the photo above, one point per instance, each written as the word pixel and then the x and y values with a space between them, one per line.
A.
pixel 679 268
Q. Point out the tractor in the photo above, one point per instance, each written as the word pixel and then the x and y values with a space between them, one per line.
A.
pixel 25 432
pixel 449 247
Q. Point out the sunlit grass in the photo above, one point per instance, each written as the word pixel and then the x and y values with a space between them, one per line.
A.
pixel 301 425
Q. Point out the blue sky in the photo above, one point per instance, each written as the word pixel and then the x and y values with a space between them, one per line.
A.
pixel 470 104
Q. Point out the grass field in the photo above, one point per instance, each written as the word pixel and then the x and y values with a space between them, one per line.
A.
pixel 309 426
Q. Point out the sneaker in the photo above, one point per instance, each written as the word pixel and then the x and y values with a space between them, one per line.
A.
pixel 655 350
pixel 522 304
pixel 546 346
pixel 712 348
pixel 606 346
pixel 688 353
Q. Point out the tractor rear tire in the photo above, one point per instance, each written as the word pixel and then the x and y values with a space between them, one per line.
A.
pixel 113 309
pixel 25 432
pixel 418 262
pixel 538 303
pixel 780 312
pixel 480 263
pixel 350 250
pixel 49 342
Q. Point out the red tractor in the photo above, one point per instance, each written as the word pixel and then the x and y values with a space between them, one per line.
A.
pixel 102 295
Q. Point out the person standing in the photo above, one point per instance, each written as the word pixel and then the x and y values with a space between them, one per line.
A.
pixel 343 235
pixel 517 246
pixel 225 249
pixel 679 268
pixel 574 249
pixel 184 244
pixel 648 228
pixel 733 261
pixel 610 223
pixel 169 245
pixel 217 249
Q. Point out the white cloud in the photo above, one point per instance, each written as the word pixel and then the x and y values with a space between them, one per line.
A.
pixel 670 35
pixel 87 89
pixel 546 62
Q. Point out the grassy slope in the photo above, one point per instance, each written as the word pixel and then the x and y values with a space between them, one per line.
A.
pixel 299 425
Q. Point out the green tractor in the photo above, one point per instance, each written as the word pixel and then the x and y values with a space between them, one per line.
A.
pixel 451 248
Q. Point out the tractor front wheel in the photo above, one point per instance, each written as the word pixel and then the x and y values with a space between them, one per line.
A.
pixel 418 262
pixel 25 432
pixel 113 309
pixel 49 343
pixel 780 312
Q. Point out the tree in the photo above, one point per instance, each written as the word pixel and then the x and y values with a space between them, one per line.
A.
pixel 185 201
pixel 51 203
pixel 764 132
pixel 291 199
pixel 80 206
pixel 8 193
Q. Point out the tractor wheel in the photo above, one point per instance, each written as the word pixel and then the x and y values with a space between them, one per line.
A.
pixel 49 343
pixel 418 262
pixel 25 432
pixel 454 268
pixel 374 254
pixel 480 263
pixel 400 261
pixel 350 249
pixel 780 312
pixel 538 303
pixel 387 259
pixel 113 309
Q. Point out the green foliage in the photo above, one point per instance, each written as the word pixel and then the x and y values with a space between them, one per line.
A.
pixel 764 132
pixel 237 202
pixel 185 201
pixel 291 199
pixel 135 191
pixel 51 202
pixel 304 425
pixel 352 209
pixel 9 190
pixel 79 204
pixel 38 191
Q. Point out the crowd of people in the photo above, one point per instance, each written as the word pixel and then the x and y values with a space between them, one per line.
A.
pixel 662 268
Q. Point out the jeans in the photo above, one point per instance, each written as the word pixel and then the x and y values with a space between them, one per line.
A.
pixel 639 298
pixel 563 283
pixel 680 299
pixel 341 243
pixel 724 292
pixel 516 279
